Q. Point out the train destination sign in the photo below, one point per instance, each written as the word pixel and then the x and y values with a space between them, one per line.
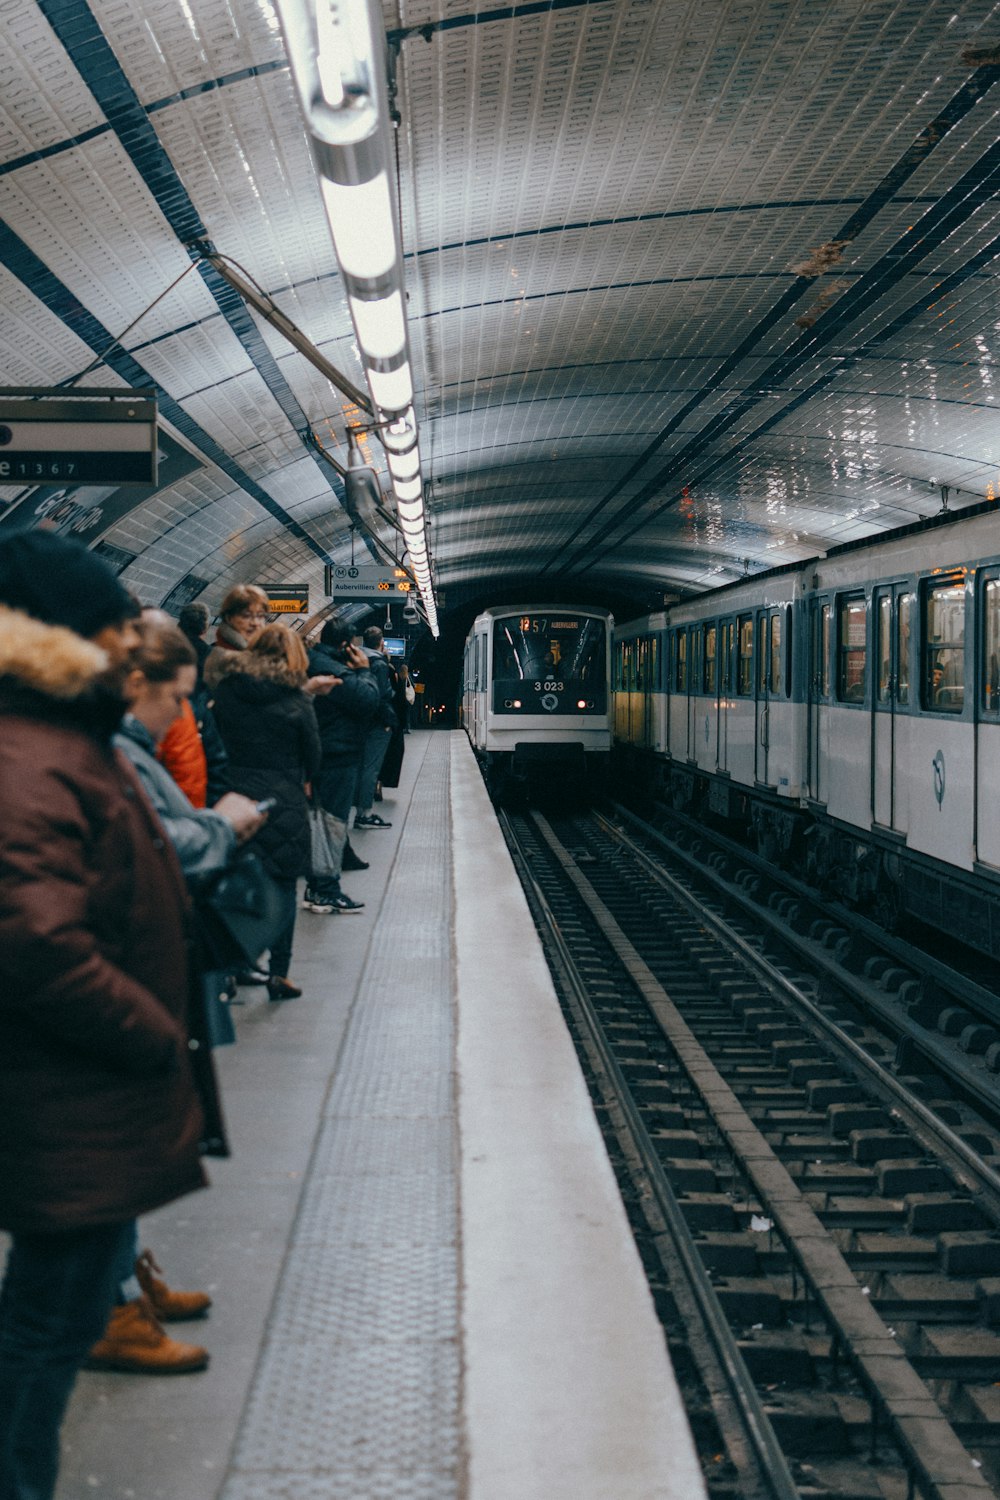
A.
pixel 81 437
pixel 347 581
pixel 287 598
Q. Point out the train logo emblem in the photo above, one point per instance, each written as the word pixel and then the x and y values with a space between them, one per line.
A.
pixel 549 701
pixel 938 764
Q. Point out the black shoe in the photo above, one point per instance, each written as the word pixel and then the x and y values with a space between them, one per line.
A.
pixel 371 820
pixel 378 794
pixel 344 904
pixel 281 989
pixel 351 860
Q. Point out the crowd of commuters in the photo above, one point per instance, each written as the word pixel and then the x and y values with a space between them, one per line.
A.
pixel 138 763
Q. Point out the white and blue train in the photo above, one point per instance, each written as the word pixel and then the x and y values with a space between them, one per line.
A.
pixel 844 715
pixel 536 692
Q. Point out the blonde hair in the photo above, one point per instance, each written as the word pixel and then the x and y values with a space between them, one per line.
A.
pixel 284 645
pixel 242 597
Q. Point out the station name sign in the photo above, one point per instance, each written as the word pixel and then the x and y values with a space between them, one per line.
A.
pixel 287 598
pixel 347 581
pixel 77 437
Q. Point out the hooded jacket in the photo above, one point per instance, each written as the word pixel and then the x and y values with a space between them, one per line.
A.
pixel 268 726
pixel 346 714
pixel 101 1119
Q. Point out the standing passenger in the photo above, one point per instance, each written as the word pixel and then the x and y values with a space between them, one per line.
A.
pixel 268 724
pixel 101 1119
pixel 243 616
pixel 378 736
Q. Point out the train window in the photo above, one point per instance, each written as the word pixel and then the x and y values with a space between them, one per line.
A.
pixel 904 613
pixel 774 684
pixel 726 670
pixel 654 664
pixel 826 619
pixel 680 661
pixel 883 648
pixel 991 646
pixel 851 655
pixel 788 650
pixel 744 673
pixel 708 659
pixel 944 645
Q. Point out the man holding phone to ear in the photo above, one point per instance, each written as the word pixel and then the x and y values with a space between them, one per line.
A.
pixel 344 717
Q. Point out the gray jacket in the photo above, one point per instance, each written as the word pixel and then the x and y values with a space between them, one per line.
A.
pixel 203 839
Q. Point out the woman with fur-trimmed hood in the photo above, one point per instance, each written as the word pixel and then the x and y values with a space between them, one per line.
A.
pixel 268 724
pixel 100 1114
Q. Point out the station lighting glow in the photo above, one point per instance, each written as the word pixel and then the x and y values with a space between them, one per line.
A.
pixel 337 53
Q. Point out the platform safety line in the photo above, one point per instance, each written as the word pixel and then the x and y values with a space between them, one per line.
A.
pixel 921 1429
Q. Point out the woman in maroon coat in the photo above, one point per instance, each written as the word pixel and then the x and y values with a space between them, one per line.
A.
pixel 101 1118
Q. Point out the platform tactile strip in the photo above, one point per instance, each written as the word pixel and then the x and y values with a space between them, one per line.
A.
pixel 356 1393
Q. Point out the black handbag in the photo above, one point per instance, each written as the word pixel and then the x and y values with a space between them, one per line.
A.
pixel 240 912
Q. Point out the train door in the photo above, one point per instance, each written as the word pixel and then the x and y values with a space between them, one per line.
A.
pixel 649 686
pixel 987 783
pixel 820 619
pixel 761 699
pixel 725 674
pixel 892 608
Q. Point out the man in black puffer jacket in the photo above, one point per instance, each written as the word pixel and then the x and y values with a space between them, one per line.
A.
pixel 345 716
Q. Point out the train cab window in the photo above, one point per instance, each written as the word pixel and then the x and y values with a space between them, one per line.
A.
pixel 788 650
pixel 744 675
pixel 944 645
pixel 681 661
pixel 851 650
pixel 991 646
pixel 774 654
pixel 708 680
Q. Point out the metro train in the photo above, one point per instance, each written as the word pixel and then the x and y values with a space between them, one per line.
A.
pixel 843 716
pixel 536 693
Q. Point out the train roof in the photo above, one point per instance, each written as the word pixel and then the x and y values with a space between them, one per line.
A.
pixel 495 610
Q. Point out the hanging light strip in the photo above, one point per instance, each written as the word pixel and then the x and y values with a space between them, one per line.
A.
pixel 339 64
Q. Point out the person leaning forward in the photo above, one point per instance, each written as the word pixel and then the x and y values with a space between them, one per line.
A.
pixel 101 1115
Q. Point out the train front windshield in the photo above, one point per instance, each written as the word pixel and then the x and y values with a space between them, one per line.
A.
pixel 549 664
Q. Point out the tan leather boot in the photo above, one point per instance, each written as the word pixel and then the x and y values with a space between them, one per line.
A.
pixel 134 1340
pixel 168 1305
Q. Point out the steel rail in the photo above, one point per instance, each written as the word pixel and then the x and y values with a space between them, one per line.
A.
pixel 918 1116
pixel 769 1476
pixel 937 1460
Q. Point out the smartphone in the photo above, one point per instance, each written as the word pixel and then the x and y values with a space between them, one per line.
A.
pixel 266 803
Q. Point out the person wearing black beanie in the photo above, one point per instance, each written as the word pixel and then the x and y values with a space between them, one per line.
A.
pixel 44 575
pixel 100 1109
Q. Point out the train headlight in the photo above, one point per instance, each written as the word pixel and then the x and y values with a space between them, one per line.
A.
pixel 517 703
pixel 581 703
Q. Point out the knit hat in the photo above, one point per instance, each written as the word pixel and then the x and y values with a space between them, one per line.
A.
pixel 60 582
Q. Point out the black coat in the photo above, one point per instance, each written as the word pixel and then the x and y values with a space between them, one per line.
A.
pixel 268 725
pixel 346 714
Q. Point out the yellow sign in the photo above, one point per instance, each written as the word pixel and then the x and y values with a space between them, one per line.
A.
pixel 288 606
pixel 287 598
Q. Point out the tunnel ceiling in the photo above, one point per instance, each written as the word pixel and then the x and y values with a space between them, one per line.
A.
pixel 694 288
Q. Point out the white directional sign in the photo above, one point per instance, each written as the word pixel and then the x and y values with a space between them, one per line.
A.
pixel 346 581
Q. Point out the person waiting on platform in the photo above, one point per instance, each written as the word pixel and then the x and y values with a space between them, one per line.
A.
pixel 268 725
pixel 157 687
pixel 377 739
pixel 243 615
pixel 100 1108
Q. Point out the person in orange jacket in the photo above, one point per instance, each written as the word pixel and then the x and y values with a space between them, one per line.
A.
pixel 182 753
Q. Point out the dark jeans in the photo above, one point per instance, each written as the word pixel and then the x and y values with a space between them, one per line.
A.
pixel 335 785
pixel 281 951
pixel 57 1293
pixel 376 746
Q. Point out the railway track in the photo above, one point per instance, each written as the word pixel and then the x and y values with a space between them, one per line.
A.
pixel 820 1230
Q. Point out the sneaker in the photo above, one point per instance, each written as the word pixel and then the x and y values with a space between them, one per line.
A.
pixel 371 820
pixel 321 905
pixel 345 905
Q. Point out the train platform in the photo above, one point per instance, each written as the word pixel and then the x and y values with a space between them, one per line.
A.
pixel 423 1277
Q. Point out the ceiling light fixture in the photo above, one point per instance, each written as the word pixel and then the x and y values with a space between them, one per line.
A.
pixel 337 52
